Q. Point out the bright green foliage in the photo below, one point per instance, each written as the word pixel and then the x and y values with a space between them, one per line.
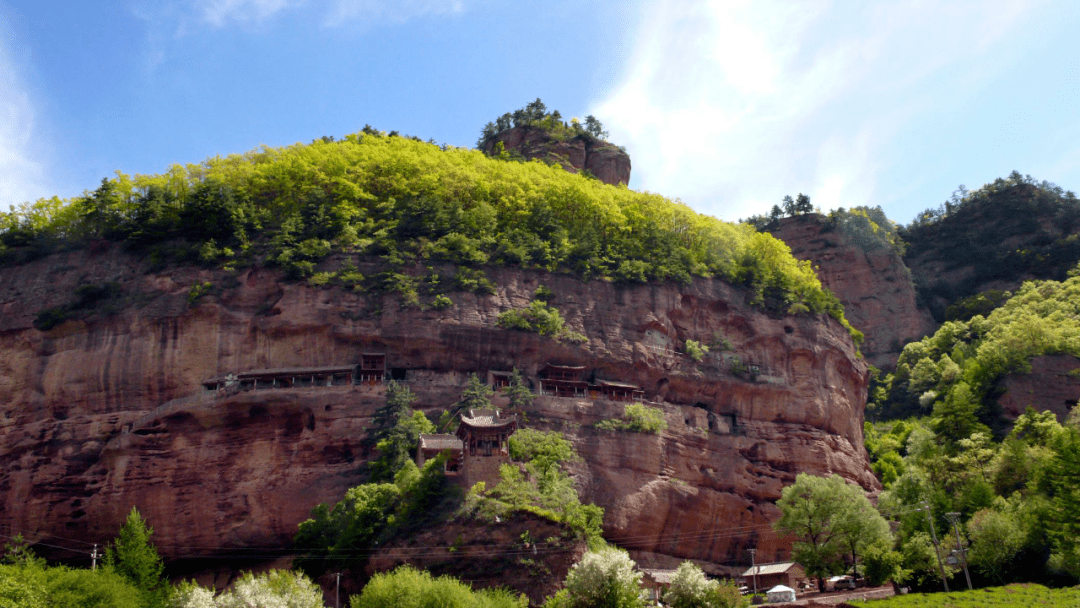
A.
pixel 102 588
pixel 696 350
pixel 404 201
pixel 22 586
pixel 544 488
pixel 954 372
pixel 477 394
pixel 996 538
pixel 829 519
pixel 133 557
pixel 639 418
pixel 370 513
pixel 544 449
pixel 1011 596
pixel 406 587
pixel 882 564
pixel 539 317
pixel 606 578
pixel 691 589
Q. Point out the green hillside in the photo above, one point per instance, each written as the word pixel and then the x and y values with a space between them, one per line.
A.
pixel 408 203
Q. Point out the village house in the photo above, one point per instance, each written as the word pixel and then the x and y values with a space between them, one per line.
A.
pixel 790 574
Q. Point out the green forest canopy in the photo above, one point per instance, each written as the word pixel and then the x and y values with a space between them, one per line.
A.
pixel 958 367
pixel 406 202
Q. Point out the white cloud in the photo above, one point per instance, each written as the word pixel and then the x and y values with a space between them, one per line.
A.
pixel 21 173
pixel 730 105
pixel 220 13
pixel 368 12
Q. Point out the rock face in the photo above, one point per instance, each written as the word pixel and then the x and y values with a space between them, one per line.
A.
pixel 1018 233
pixel 106 412
pixel 607 162
pixel 1053 385
pixel 874 286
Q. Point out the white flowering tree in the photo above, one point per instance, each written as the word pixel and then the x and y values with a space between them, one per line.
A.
pixel 273 589
pixel 691 589
pixel 603 579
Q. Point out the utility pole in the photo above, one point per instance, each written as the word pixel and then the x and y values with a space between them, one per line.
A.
pixel 937 554
pixel 93 558
pixel 954 517
pixel 753 568
pixel 337 591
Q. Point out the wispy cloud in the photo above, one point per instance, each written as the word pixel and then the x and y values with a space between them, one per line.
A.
pixel 732 104
pixel 370 12
pixel 220 13
pixel 336 13
pixel 22 175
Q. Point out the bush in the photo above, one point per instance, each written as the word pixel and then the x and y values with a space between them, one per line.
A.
pixel 406 587
pixel 639 418
pixel 102 588
pixel 440 302
pixel 696 350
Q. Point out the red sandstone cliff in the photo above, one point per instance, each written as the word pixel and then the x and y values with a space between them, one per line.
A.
pixel 874 286
pixel 609 163
pixel 105 412
pixel 1053 385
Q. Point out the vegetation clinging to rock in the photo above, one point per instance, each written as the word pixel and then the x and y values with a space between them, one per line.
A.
pixel 405 203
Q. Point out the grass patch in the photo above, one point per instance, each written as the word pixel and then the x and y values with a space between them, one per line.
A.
pixel 1017 595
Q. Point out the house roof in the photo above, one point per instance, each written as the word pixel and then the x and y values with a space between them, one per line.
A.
pixel 440 442
pixel 662 577
pixel 286 371
pixel 487 418
pixel 614 384
pixel 575 368
pixel 777 568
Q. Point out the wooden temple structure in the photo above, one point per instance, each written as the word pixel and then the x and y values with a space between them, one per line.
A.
pixel 570 381
pixel 292 377
pixel 431 445
pixel 476 451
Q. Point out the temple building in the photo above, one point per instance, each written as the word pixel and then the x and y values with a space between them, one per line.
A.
pixel 619 391
pixel 563 381
pixel 476 451
pixel 293 377
pixel 372 368
pixel 433 445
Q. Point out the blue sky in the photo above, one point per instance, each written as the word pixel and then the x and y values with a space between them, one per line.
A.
pixel 727 106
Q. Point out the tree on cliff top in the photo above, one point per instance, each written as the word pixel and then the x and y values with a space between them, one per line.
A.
pixel 535 114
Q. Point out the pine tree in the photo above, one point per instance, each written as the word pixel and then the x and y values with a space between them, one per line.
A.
pixel 135 558
pixel 476 395
pixel 520 396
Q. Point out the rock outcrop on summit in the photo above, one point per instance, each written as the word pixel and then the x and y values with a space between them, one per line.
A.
pixel 609 163
pixel 108 411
